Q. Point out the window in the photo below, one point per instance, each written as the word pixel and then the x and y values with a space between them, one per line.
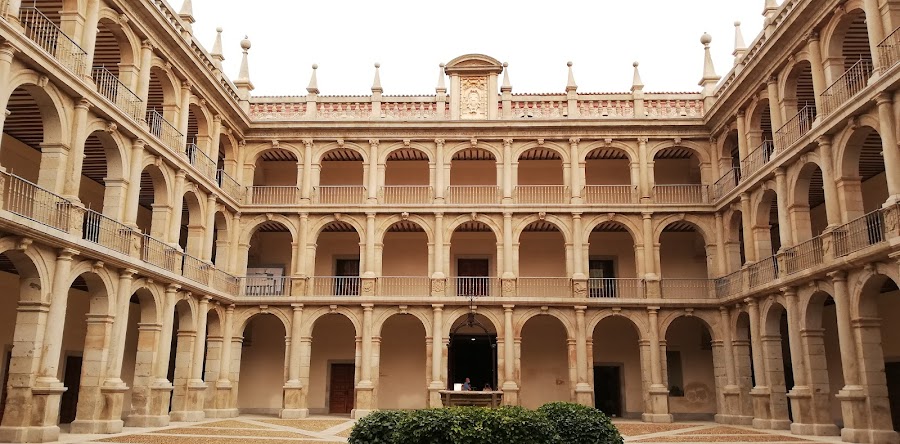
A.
pixel 676 377
pixel 346 280
pixel 601 273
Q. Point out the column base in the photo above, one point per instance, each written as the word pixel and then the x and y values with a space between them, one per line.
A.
pixel 434 398
pixel 781 424
pixel 815 429
pixel 853 411
pixel 584 395
pixel 29 434
pixel 221 413
pixel 147 421
pixel 96 427
pixel 883 437
pixel 293 413
pixel 733 419
pixel 193 412
pixel 510 395
pixel 657 418
pixel 762 413
pixel 360 413
pixel 365 400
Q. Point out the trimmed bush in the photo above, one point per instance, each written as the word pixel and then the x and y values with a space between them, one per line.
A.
pixel 556 423
pixel 577 424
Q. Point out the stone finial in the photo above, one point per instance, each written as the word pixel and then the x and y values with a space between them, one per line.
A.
pixel 313 87
pixel 637 84
pixel 187 14
pixel 710 78
pixel 740 48
pixel 571 86
pixel 441 86
pixel 216 53
pixel 376 84
pixel 243 81
pixel 506 87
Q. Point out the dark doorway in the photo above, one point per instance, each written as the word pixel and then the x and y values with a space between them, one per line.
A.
pixel 5 386
pixel 892 371
pixel 346 281
pixel 72 380
pixel 473 357
pixel 608 389
pixel 600 271
pixel 340 396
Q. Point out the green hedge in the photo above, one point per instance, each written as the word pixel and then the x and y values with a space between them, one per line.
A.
pixel 556 423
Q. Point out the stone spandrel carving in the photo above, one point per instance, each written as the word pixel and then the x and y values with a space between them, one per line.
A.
pixel 473 98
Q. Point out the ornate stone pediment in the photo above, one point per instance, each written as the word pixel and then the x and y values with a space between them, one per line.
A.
pixel 473 64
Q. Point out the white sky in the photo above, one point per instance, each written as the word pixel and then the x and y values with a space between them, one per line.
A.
pixel 411 37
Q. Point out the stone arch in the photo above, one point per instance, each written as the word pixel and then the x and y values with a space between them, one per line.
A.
pixel 556 148
pixel 31 264
pixel 310 319
pixel 835 31
pixel 245 316
pixel 863 283
pixel 563 317
pixel 451 316
pixel 450 228
pixel 389 312
pixel 129 43
pixel 386 225
pixel 701 152
pixel 493 150
pixel 316 228
pixel 798 178
pixel 384 154
pixel 54 106
pixel 848 145
pixel 755 110
pixel 154 295
pixel 561 225
pixel 230 145
pixel 635 230
pixel 699 224
pixel 629 151
pixel 321 152
pixel 101 285
pixel 253 225
pixel 639 323
pixel 116 145
pixel 253 155
pixel 709 319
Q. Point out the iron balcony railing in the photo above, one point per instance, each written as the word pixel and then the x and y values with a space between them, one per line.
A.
pixel 200 161
pixel 730 285
pixel 854 80
pixel 757 158
pixel 861 233
pixel 794 130
pixel 763 272
pixel 475 286
pixel 726 183
pixel 889 50
pixel 104 231
pixel 803 256
pixel 269 286
pixel 52 39
pixel 164 131
pixel 230 186
pixel 35 203
pixel 616 288
pixel 687 288
pixel 109 86
pixel 336 286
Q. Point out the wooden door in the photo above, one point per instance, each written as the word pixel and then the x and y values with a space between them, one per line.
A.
pixel 72 381
pixel 340 397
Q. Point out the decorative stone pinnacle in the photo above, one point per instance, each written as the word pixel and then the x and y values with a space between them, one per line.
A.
pixel 216 53
pixel 571 86
pixel 506 87
pixel 740 48
pixel 313 87
pixel 441 87
pixel 376 85
pixel 243 80
pixel 637 84
pixel 187 13
pixel 710 78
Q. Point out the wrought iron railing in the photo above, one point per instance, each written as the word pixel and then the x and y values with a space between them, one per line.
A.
pixel 270 286
pixel 612 288
pixel 757 158
pixel 687 288
pixel 795 128
pixel 109 86
pixel 336 286
pixel 470 286
pixel 861 233
pixel 726 183
pixel 104 231
pixel 199 160
pixel 230 186
pixel 156 252
pixel 164 131
pixel 889 50
pixel 763 272
pixel 803 256
pixel 854 80
pixel 35 203
pixel 730 285
pixel 52 39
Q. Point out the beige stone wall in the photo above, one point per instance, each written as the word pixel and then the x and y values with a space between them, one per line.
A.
pixel 545 363
pixel 682 256
pixel 618 246
pixel 685 335
pixel 402 374
pixel 608 172
pixel 262 366
pixel 407 172
pixel 405 254
pixel 332 246
pixel 473 172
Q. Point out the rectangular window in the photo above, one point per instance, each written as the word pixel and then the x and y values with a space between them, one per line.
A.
pixel 676 377
pixel 346 280
pixel 600 272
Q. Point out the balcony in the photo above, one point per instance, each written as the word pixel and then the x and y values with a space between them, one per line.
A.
pixel 544 287
pixel 804 256
pixel 407 194
pixel 854 80
pixel 265 286
pixel 610 194
pixel 542 194
pixel 680 194
pixel 165 132
pixel 687 288
pixel 229 185
pixel 340 195
pixel 616 288
pixel 794 130
pixel 53 40
pixel 104 231
pixel 35 203
pixel 200 161
pixel 864 232
pixel 474 287
pixel 726 183
pixel 274 195
pixel 109 86
pixel 335 286
pixel 757 158
pixel 409 286
pixel 889 50
pixel 473 194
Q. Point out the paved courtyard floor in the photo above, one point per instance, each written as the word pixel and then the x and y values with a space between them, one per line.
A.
pixel 330 429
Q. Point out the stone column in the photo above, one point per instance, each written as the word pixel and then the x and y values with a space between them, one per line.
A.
pixel 510 381
pixel 814 48
pixel 508 265
pixel 649 247
pixel 721 254
pixel 730 412
pixel 370 265
pixel 365 387
pixel 749 238
pixel 72 181
pixel 658 396
pixel 7 53
pixel 784 222
pixel 440 184
pixel 161 388
pixel 195 398
pixel 89 35
pixel 832 205
pixel 113 388
pixel 774 107
pixel 575 170
pixel 373 172
pixel 801 395
pixel 210 227
pixel 143 87
pixel 438 258
pixel 306 186
pixel 507 172
pixel 177 206
pixel 56 320
pixel 875 28
pixel 743 141
pixel 222 407
pixel 293 390
pixel 134 183
pixel 584 393
pixel 437 352
pixel 91 403
pixel 762 416
pixel 185 113
pixel 852 396
pixel 888 143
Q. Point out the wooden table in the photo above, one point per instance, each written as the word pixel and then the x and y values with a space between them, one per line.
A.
pixel 492 399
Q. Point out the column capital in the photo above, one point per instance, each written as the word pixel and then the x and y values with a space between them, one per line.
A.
pixel 741 113
pixel 229 309
pixel 67 254
pixel 789 292
pixel 508 308
pixel 437 307
pixel 780 172
pixel 138 144
pixel 181 174
pixel 647 215
pixel 751 302
pixel 643 140
pixel 146 44
pixel 374 142
pixel 574 141
pixel 824 140
pixel 297 307
pixel 439 142
pixel 173 288
pixel 813 36
pixel 127 273
pixel 772 79
pixel 507 142
pixel 308 143
pixel 838 276
pixel 187 85
pixel 745 197
pixel 84 103
pixel 368 307
pixel 883 98
pixel 653 310
pixel 580 309
pixel 205 299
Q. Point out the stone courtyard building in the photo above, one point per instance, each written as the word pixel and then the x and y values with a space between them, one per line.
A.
pixel 174 248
